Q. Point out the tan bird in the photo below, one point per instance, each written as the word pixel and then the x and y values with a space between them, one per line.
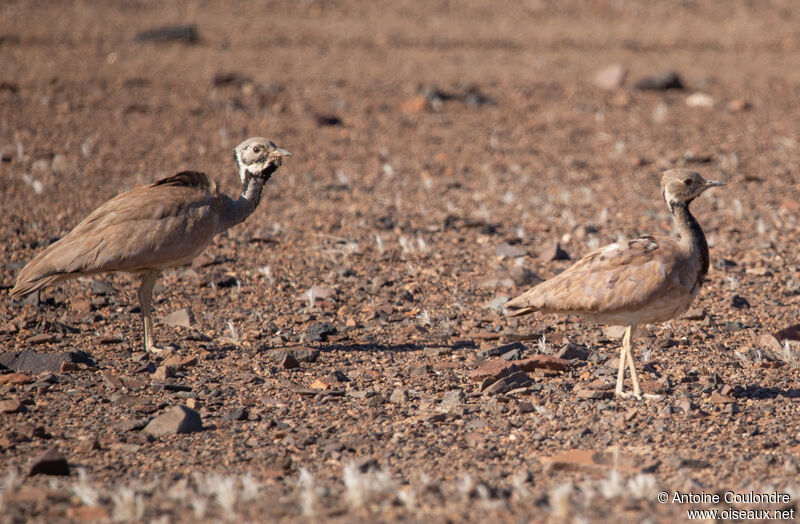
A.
pixel 646 280
pixel 152 228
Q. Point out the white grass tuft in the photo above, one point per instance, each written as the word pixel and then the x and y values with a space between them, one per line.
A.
pixel 82 489
pixel 308 493
pixel 560 500
pixel 128 505
pixel 365 488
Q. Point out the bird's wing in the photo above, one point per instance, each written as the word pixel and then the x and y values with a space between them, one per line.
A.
pixel 164 224
pixel 617 277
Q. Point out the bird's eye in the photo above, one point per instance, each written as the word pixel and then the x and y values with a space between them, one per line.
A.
pixel 688 181
pixel 256 149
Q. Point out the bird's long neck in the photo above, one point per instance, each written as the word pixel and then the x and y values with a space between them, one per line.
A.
pixel 692 237
pixel 238 210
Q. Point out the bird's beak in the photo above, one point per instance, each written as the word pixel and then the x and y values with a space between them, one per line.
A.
pixel 714 183
pixel 281 152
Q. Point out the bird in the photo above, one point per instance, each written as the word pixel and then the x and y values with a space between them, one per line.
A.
pixel 151 228
pixel 642 281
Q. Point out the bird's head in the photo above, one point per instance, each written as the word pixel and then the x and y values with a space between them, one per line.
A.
pixel 259 157
pixel 683 186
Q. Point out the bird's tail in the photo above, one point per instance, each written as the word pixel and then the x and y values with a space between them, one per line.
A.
pixel 520 306
pixel 40 272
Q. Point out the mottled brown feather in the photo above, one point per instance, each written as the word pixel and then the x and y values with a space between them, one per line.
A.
pixel 165 224
pixel 640 281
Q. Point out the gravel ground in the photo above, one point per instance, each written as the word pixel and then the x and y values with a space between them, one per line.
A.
pixel 329 345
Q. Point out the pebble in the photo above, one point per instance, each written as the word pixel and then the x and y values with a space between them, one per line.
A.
pixel 700 100
pixel 661 82
pixel 573 351
pixel 493 369
pixel 175 420
pixel 320 332
pixel 510 251
pixel 610 77
pixel 398 396
pixel 553 252
pixel 11 406
pixel 515 380
pixel 236 414
pixel 39 362
pixel 15 379
pixel 180 318
pixel 50 462
pixel 186 34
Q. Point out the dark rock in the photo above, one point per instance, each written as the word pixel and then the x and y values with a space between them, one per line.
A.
pixel 662 82
pixel 513 354
pixel 320 332
pixel 543 362
pixel 516 380
pixel 186 34
pixel 323 120
pixel 289 362
pixel 500 350
pixel 573 351
pixel 36 362
pixel 41 338
pixel 236 414
pixel 553 252
pixel 51 462
pixel 524 277
pixel 511 251
pixel 739 302
pixel 230 79
pixel 301 355
pixel 101 288
pixel 732 327
pixel 175 420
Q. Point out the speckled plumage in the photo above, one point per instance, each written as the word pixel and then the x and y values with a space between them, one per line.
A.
pixel 641 281
pixel 151 228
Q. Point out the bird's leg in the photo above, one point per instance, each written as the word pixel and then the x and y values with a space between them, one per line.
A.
pixel 622 357
pixel 630 333
pixel 146 302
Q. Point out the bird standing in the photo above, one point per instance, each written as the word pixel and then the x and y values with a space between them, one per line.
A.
pixel 152 228
pixel 642 281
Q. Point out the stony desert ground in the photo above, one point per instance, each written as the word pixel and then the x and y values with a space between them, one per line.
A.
pixel 336 355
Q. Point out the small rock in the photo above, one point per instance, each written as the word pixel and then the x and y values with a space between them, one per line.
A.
pixel 451 399
pixel 417 104
pixel 500 350
pixel 88 514
pixel 610 77
pixel 398 396
pixel 102 288
pixel 553 252
pixel 41 338
pixel 299 355
pixel 112 381
pixel 51 462
pixel 573 351
pixel 15 379
pixel 732 327
pixel 700 100
pixel 493 369
pixel 719 398
pixel 324 120
pixel 694 314
pixel 739 302
pixel 497 303
pixel 186 34
pixel 543 362
pixel 235 414
pixel 320 332
pixel 11 406
pixel 594 394
pixel 39 362
pixel 510 251
pixel 739 104
pixel 524 277
pixel 516 380
pixel 662 82
pixel 592 462
pixel 164 372
pixel 177 419
pixel 791 333
pixel 180 362
pixel 289 362
pixel 180 318
pixel 512 354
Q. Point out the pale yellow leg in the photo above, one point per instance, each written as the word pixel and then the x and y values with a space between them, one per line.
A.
pixel 623 354
pixel 631 332
pixel 146 302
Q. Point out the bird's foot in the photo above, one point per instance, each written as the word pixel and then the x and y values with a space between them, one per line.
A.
pixel 627 395
pixel 156 350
